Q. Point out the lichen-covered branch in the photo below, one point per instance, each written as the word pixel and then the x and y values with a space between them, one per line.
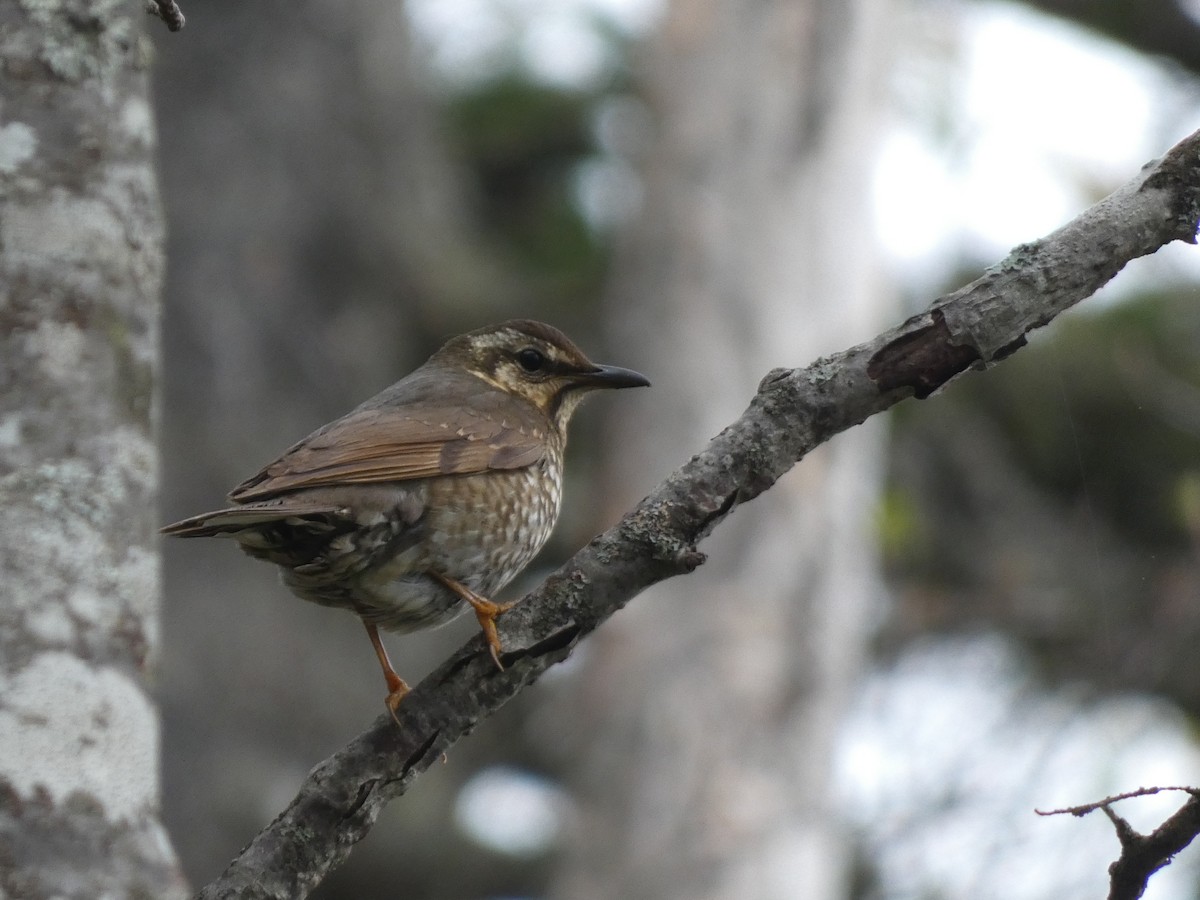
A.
pixel 794 411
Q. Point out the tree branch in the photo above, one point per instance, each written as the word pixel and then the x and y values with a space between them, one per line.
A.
pixel 794 411
pixel 1142 854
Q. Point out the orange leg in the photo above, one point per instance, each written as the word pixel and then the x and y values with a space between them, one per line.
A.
pixel 396 686
pixel 485 611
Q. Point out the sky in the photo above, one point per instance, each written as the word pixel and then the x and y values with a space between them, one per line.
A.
pixel 947 756
pixel 1045 117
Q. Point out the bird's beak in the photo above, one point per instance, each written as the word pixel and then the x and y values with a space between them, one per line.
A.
pixel 613 377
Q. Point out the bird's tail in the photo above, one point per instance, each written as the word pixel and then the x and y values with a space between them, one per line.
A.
pixel 285 533
pixel 234 519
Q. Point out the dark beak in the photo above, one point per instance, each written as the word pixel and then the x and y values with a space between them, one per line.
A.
pixel 613 377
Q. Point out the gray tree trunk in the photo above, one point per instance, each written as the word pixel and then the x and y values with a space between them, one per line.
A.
pixel 80 270
pixel 711 705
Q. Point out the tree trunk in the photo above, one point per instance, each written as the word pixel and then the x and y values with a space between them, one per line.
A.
pixel 80 270
pixel 712 705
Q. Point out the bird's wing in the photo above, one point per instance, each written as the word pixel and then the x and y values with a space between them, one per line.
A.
pixel 398 443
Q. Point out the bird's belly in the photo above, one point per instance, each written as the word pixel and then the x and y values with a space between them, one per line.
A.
pixel 484 529
pixel 479 530
pixel 405 602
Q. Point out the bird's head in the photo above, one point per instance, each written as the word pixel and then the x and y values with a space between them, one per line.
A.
pixel 537 362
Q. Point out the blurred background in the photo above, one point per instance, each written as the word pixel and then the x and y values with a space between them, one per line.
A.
pixel 986 604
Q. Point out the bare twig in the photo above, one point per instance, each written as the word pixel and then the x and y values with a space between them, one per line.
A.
pixel 168 11
pixel 794 411
pixel 1142 854
pixel 1108 801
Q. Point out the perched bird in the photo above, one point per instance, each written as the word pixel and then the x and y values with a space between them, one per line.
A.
pixel 431 496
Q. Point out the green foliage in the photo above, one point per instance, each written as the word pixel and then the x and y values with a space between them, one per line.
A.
pixel 1104 410
pixel 898 524
pixel 524 142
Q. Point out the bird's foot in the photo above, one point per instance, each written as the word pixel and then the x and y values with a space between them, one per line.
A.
pixel 397 690
pixel 485 612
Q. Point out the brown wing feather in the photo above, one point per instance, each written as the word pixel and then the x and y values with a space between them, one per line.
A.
pixel 394 438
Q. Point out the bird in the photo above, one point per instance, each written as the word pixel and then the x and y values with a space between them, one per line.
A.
pixel 431 496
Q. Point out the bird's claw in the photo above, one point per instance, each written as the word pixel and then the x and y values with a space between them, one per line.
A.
pixel 486 612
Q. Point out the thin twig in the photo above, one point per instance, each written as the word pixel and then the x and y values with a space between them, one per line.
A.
pixel 1107 801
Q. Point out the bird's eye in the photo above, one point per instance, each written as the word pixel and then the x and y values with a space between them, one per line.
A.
pixel 531 359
